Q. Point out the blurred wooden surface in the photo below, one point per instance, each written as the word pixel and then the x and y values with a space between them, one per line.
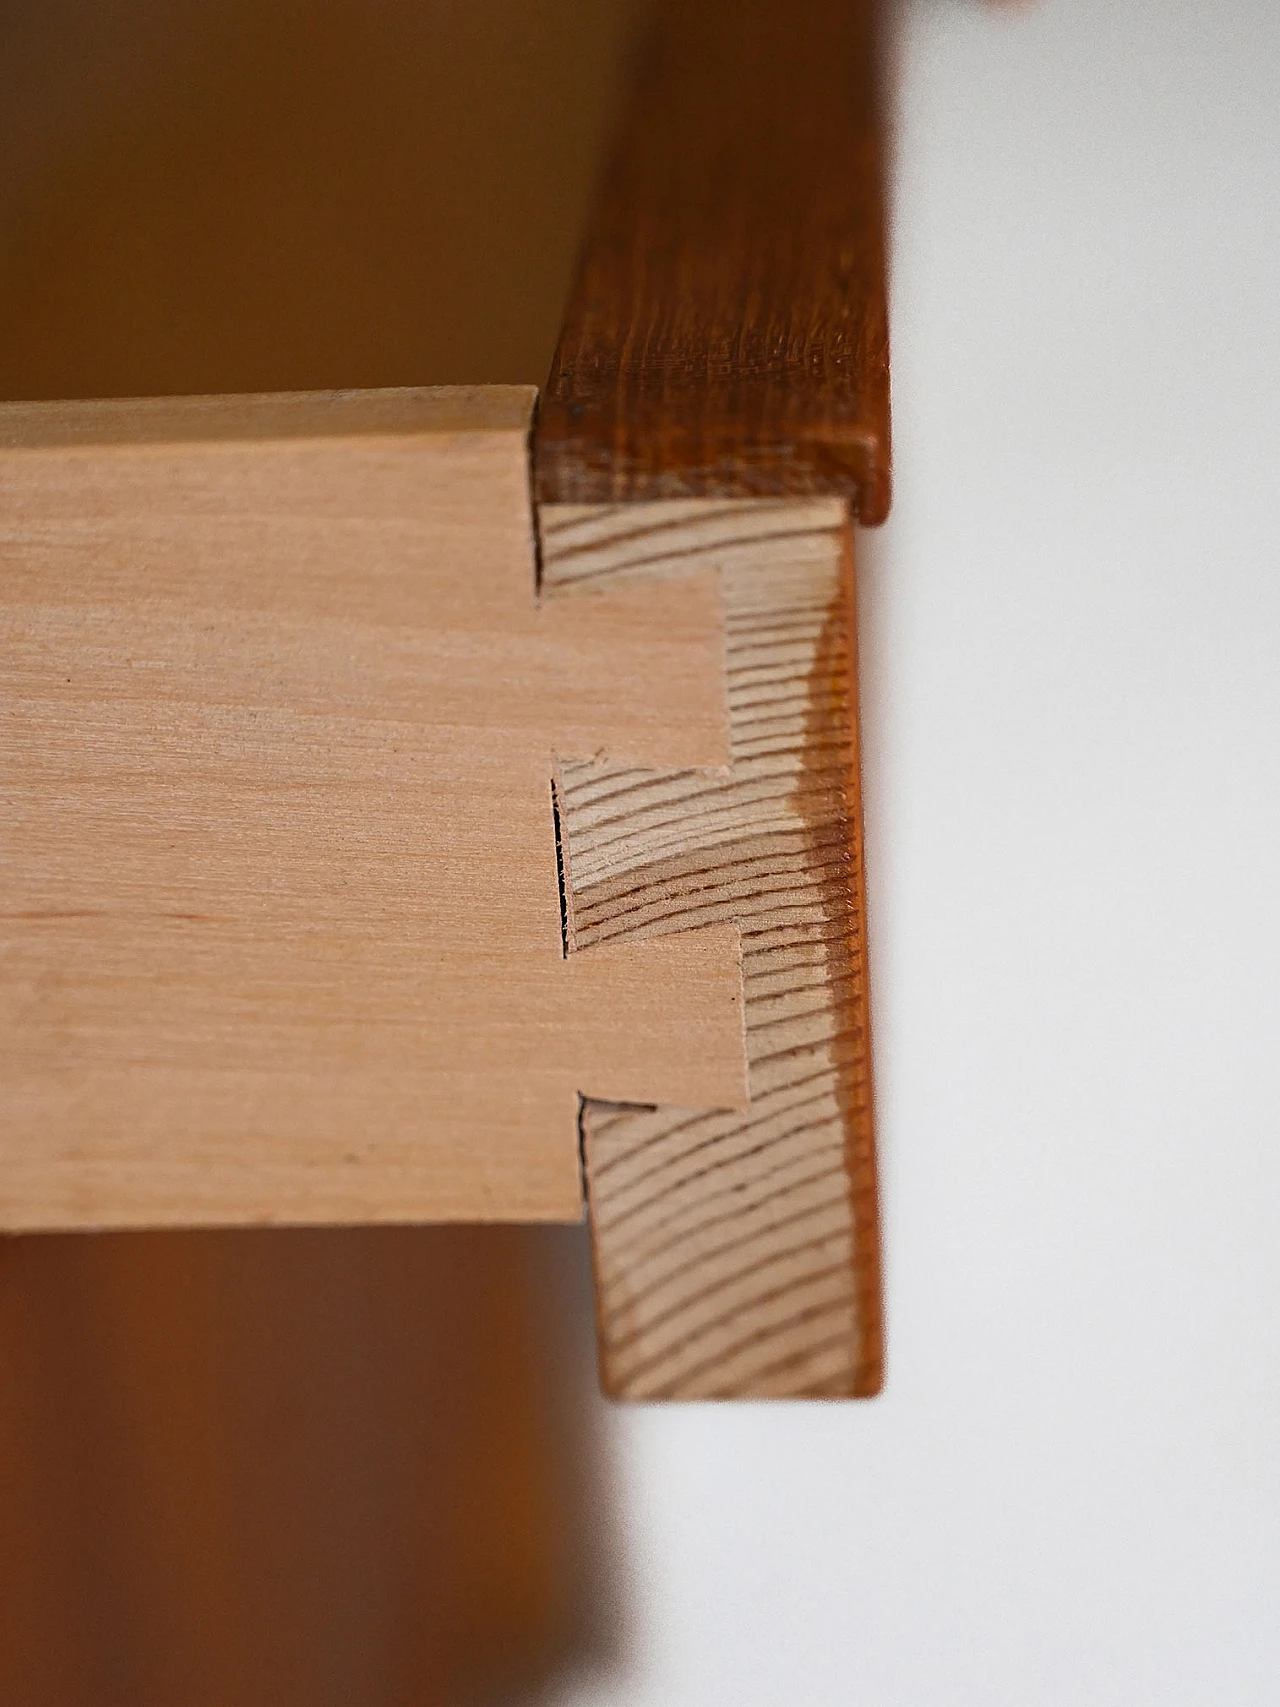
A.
pixel 289 1468
pixel 330 1468
pixel 217 195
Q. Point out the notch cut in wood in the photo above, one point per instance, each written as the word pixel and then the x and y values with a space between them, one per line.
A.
pixel 280 938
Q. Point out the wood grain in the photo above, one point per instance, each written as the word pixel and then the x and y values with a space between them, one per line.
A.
pixel 281 936
pixel 737 1253
pixel 726 335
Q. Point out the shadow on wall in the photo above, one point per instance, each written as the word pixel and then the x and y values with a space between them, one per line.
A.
pixel 352 1466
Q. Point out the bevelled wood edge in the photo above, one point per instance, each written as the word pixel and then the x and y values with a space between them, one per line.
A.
pixel 737 1252
pixel 727 333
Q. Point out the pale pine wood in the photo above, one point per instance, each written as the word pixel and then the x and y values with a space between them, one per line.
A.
pixel 280 937
pixel 737 1253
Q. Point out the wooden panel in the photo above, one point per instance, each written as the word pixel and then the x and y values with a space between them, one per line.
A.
pixel 737 1253
pixel 286 1468
pixel 726 335
pixel 281 937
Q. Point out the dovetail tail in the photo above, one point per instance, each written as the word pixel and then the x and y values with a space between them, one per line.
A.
pixel 582 1153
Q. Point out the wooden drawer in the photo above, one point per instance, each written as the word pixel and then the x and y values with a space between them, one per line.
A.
pixel 419 812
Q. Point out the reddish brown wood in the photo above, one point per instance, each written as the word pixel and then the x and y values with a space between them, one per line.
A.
pixel 727 332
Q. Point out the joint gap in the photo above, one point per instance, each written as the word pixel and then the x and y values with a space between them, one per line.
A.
pixel 535 509
pixel 564 894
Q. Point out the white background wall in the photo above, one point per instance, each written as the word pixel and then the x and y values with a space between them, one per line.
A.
pixel 1070 1492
